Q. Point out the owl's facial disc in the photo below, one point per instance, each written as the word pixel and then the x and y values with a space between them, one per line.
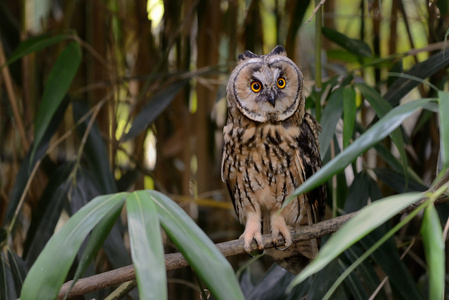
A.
pixel 269 89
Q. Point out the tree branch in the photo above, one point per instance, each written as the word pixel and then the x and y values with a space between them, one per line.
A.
pixel 175 261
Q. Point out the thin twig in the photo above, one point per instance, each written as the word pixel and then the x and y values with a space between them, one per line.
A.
pixel 315 10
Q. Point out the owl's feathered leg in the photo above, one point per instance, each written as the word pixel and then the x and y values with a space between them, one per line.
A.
pixel 252 231
pixel 278 226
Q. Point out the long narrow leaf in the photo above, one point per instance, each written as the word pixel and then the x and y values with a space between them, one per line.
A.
pixel 355 46
pixel 154 108
pixel 434 249
pixel 372 136
pixel 382 107
pixel 349 112
pixel 361 224
pixel 421 70
pixel 46 276
pixel 96 240
pixel 444 127
pixel 210 265
pixel 55 89
pixel 35 44
pixel 331 114
pixel 18 270
pixel 146 246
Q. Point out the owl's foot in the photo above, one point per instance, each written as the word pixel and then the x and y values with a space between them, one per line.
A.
pixel 278 226
pixel 252 231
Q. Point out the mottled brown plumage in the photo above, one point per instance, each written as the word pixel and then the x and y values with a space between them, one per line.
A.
pixel 270 148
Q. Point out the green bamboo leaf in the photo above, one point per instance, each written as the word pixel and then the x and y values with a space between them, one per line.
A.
pixel 331 114
pixel 56 87
pixel 425 69
pixel 146 245
pixel 434 249
pixel 154 108
pixel 354 46
pixel 96 240
pixel 366 220
pixel 382 107
pixel 35 44
pixel 18 270
pixel 205 259
pixel 372 136
pixel 47 274
pixel 349 112
pixel 444 127
pixel 5 292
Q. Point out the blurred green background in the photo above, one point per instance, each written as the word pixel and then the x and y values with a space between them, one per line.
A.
pixel 138 102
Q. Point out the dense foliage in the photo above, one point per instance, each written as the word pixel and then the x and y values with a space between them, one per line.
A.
pixel 111 120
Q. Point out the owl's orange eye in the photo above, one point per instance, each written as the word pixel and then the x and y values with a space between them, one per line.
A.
pixel 281 83
pixel 256 86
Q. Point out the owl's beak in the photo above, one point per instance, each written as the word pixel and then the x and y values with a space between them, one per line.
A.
pixel 271 97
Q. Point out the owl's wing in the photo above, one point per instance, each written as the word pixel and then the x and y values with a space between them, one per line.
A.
pixel 226 163
pixel 309 160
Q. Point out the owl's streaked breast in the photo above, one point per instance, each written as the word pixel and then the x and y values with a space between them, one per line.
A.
pixel 261 164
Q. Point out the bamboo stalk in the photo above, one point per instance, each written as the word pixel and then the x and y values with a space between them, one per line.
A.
pixel 12 99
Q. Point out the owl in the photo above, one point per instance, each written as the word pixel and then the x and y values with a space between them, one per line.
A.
pixel 270 148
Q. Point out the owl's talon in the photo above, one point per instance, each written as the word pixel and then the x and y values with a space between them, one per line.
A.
pixel 281 249
pixel 279 228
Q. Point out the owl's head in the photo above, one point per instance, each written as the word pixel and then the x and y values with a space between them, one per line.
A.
pixel 266 87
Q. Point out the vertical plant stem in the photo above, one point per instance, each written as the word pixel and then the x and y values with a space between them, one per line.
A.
pixel 12 100
pixel 318 45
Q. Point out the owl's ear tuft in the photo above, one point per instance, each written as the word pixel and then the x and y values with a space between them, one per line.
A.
pixel 246 55
pixel 278 50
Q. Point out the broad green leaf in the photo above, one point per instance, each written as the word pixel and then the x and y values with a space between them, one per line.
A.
pixel 349 112
pixel 204 257
pixel 96 240
pixel 35 44
pixel 146 246
pixel 154 108
pixel 422 70
pixel 331 114
pixel 434 249
pixel 366 220
pixel 46 276
pixel 382 107
pixel 372 136
pixel 86 189
pixel 444 127
pixel 56 87
pixel 354 46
